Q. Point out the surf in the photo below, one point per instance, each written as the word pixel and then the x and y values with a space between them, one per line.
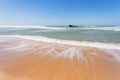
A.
pixel 67 42
pixel 30 26
pixel 107 28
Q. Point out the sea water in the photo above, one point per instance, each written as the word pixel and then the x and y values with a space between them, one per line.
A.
pixel 104 34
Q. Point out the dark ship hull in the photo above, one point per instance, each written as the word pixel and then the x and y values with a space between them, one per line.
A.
pixel 72 26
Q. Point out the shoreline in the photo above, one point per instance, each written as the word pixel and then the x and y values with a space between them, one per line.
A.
pixel 67 42
pixel 26 59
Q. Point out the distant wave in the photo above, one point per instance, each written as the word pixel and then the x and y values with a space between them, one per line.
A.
pixel 115 28
pixel 30 26
pixel 67 42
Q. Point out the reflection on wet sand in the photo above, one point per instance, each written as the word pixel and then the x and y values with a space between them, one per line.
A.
pixel 22 59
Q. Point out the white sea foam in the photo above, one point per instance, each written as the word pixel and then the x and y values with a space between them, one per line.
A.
pixel 115 54
pixel 71 53
pixel 5 38
pixel 17 47
pixel 69 42
pixel 30 26
pixel 115 28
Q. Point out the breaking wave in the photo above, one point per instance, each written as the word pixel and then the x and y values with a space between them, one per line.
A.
pixel 115 28
pixel 66 42
pixel 30 26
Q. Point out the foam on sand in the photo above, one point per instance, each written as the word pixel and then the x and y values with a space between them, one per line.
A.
pixel 41 58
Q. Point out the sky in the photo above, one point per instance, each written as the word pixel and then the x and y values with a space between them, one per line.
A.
pixel 60 12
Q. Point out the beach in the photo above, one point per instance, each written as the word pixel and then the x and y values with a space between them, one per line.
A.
pixel 25 58
pixel 59 39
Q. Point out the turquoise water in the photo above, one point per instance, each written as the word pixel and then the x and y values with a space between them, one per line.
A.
pixel 106 34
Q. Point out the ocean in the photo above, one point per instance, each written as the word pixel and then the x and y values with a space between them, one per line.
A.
pixel 104 34
pixel 59 52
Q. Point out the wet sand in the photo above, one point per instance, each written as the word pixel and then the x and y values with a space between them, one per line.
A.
pixel 22 59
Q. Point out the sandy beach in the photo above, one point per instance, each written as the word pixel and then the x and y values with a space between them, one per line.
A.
pixel 59 39
pixel 23 59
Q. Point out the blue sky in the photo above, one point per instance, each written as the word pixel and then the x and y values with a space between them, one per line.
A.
pixel 60 12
